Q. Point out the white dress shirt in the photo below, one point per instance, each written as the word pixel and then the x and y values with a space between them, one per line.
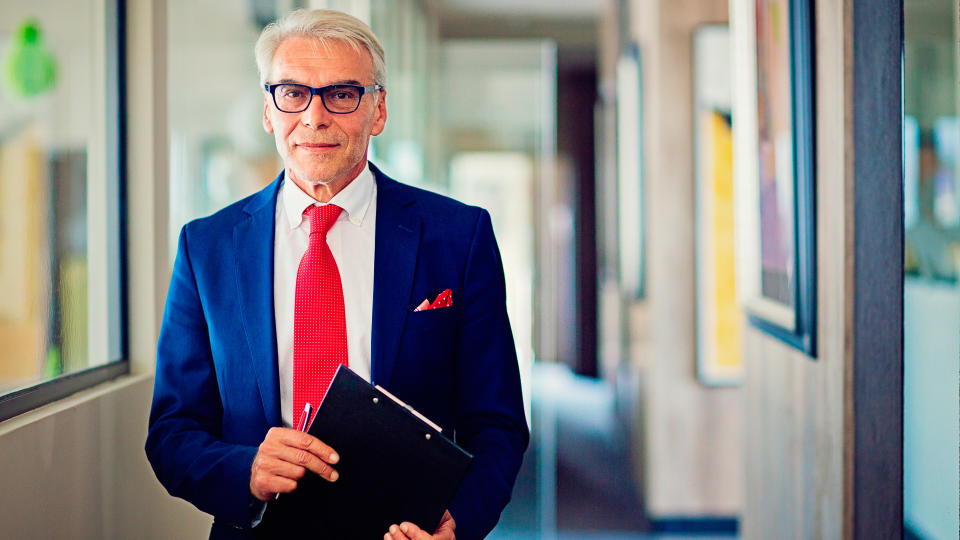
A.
pixel 351 239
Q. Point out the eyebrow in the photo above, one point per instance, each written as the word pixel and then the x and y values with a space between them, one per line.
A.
pixel 346 81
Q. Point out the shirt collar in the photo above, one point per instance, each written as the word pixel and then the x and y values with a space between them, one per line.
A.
pixel 354 199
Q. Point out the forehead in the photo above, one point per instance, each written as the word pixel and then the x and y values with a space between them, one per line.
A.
pixel 315 62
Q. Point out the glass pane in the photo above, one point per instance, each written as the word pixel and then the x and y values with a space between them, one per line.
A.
pixel 932 251
pixel 57 306
pixel 219 152
pixel 407 148
pixel 495 125
pixel 492 142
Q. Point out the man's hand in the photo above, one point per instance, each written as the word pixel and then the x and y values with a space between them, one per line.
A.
pixel 409 531
pixel 284 457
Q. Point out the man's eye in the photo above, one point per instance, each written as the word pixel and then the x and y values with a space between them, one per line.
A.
pixel 343 94
pixel 292 93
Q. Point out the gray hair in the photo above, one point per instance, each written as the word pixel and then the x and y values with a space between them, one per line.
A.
pixel 323 25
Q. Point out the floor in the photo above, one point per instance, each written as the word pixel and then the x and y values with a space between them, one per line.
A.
pixel 576 480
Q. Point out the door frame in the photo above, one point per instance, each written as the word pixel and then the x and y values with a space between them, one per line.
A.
pixel 874 403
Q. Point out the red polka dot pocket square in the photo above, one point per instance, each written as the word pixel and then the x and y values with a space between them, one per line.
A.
pixel 444 299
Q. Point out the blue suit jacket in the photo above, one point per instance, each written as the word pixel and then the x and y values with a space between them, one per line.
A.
pixel 216 392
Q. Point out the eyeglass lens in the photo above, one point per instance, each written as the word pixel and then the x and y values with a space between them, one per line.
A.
pixel 336 98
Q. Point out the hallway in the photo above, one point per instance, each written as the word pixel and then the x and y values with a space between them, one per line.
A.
pixel 575 481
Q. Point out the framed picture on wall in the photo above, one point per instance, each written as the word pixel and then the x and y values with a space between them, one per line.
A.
pixel 718 315
pixel 780 278
pixel 630 203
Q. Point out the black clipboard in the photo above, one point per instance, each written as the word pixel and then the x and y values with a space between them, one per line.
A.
pixel 394 466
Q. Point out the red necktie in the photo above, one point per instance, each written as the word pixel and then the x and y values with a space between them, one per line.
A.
pixel 319 324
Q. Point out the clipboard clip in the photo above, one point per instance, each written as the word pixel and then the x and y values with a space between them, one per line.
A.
pixel 409 408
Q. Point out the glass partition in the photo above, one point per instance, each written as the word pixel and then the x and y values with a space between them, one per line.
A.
pixel 406 150
pixel 498 150
pixel 219 152
pixel 931 138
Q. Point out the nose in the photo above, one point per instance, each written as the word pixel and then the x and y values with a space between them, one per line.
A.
pixel 316 115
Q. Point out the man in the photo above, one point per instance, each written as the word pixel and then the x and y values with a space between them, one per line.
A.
pixel 259 310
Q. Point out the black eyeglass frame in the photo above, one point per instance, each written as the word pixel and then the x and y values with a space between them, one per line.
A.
pixel 271 89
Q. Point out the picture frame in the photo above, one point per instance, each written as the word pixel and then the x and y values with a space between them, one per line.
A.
pixel 779 274
pixel 630 178
pixel 719 320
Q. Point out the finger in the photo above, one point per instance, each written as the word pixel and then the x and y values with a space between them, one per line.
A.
pixel 264 477
pixel 446 527
pixel 304 458
pixel 278 439
pixel 300 449
pixel 396 534
pixel 264 486
pixel 305 441
pixel 413 532
pixel 277 467
pixel 444 530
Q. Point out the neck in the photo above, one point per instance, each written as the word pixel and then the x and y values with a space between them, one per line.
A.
pixel 323 192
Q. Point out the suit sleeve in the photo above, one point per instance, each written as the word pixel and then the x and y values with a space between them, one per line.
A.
pixel 490 420
pixel 184 442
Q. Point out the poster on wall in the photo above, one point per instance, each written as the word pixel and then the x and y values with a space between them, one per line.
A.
pixel 718 317
pixel 781 291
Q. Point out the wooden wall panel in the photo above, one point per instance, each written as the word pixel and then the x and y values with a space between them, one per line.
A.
pixel 794 406
pixel 692 436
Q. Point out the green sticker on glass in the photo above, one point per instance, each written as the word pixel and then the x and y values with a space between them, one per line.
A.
pixel 29 68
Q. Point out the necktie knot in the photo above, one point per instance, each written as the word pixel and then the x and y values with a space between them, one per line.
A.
pixel 322 218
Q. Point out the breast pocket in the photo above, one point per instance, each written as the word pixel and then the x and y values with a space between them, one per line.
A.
pixel 436 320
pixel 426 357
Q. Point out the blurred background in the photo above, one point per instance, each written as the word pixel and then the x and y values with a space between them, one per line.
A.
pixel 611 142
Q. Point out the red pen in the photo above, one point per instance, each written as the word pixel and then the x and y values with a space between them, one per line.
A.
pixel 304 422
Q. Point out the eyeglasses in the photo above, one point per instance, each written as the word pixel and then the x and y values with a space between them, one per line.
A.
pixel 336 98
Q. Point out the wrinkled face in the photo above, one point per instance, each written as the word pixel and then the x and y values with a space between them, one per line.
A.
pixel 320 148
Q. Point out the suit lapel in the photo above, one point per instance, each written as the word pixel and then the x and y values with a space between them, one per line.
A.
pixel 253 240
pixel 394 262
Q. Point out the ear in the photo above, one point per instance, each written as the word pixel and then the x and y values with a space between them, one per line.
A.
pixel 380 114
pixel 267 126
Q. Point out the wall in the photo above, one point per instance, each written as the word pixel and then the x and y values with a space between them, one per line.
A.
pixel 76 468
pixel 691 433
pixel 795 406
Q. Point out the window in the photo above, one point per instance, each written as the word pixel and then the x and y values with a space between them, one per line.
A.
pixel 61 286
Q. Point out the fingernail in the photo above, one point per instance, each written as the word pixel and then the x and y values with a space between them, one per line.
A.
pixel 334 458
pixel 405 528
pixel 334 475
pixel 393 528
